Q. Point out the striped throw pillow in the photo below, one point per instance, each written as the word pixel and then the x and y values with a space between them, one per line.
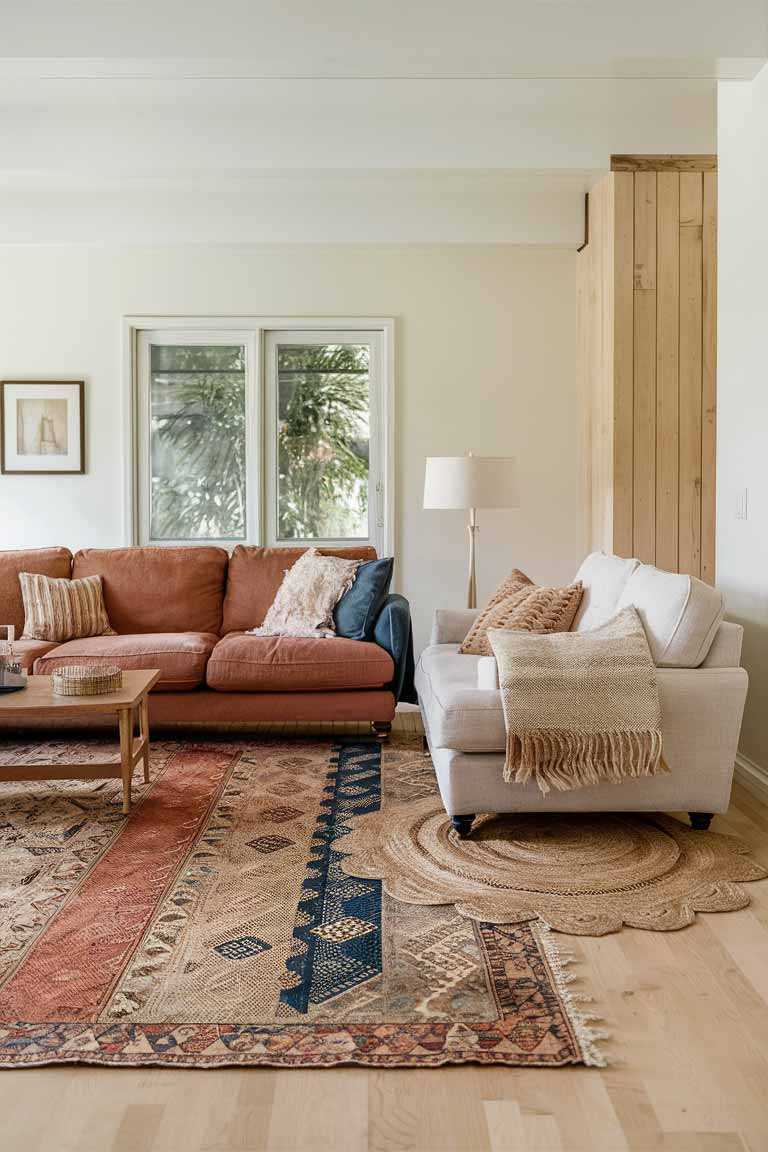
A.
pixel 58 610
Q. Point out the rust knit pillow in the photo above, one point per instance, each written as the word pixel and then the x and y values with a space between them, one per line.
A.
pixel 518 603
pixel 507 592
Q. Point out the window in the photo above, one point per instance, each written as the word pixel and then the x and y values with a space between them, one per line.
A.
pixel 262 435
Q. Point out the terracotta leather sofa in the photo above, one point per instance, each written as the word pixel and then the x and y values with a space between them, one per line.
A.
pixel 186 611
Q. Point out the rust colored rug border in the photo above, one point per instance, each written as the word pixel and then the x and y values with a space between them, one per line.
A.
pixel 129 880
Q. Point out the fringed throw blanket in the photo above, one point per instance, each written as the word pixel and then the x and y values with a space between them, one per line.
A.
pixel 579 707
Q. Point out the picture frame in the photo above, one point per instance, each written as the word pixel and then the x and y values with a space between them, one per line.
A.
pixel 42 427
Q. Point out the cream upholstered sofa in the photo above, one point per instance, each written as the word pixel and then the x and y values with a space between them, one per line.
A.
pixel 701 686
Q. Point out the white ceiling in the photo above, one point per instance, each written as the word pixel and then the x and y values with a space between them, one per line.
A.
pixel 339 119
pixel 300 38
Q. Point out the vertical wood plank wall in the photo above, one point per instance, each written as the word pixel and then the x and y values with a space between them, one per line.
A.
pixel 647 282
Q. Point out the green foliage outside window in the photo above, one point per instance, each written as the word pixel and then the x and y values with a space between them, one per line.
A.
pixel 323 441
pixel 198 437
pixel 198 443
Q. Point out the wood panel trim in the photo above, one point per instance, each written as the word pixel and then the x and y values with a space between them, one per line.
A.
pixel 689 535
pixel 623 361
pixel 667 370
pixel 645 230
pixel 709 377
pixel 648 352
pixel 644 419
pixel 654 163
pixel 607 360
pixel 691 199
pixel 644 370
pixel 595 335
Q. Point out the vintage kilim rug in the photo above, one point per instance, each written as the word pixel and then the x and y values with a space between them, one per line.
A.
pixel 215 924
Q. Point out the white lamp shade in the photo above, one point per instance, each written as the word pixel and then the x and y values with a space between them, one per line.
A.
pixel 470 482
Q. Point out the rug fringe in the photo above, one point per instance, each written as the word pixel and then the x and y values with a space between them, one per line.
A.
pixel 587 1035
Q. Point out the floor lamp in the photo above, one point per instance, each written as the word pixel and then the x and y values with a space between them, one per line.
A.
pixel 470 482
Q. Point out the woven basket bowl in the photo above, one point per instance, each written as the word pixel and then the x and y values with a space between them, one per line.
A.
pixel 82 680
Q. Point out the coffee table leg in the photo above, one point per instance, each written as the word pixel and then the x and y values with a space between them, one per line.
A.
pixel 125 721
pixel 144 731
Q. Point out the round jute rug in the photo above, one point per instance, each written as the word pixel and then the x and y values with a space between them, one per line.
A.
pixel 581 873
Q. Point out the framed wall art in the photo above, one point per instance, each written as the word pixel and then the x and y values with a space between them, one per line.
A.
pixel 42 427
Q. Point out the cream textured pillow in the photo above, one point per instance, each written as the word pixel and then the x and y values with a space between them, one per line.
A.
pixel 59 609
pixel 520 604
pixel 305 600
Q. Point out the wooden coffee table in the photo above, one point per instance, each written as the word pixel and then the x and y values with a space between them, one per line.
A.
pixel 38 700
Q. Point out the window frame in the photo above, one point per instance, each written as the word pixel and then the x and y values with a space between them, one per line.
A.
pixel 273 338
pixel 261 480
pixel 204 337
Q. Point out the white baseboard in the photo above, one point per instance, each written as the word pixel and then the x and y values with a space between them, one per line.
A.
pixel 753 776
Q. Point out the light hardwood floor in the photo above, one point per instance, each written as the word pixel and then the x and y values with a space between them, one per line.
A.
pixel 688 1014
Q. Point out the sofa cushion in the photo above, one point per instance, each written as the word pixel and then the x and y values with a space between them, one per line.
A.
pixel 56 562
pixel 458 714
pixel 604 579
pixel 27 651
pixel 159 589
pixel 254 576
pixel 180 656
pixel 242 663
pixel 680 614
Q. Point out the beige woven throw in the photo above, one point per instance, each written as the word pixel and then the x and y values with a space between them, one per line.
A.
pixel 579 707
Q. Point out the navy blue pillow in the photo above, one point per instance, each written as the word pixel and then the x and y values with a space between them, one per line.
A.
pixel 355 614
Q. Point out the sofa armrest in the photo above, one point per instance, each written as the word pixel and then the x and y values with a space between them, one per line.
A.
pixel 725 650
pixel 393 632
pixel 701 711
pixel 450 625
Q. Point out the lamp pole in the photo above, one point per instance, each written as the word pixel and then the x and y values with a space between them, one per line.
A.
pixel 472 585
pixel 472 582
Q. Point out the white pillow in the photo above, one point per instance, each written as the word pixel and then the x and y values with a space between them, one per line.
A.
pixel 604 579
pixel 680 614
pixel 305 600
pixel 487 674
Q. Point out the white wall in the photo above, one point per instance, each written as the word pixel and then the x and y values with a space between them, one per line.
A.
pixel 361 207
pixel 485 361
pixel 742 545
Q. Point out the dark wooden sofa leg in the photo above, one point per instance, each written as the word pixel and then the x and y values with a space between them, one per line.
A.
pixel 425 745
pixel 700 821
pixel 463 824
pixel 382 729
